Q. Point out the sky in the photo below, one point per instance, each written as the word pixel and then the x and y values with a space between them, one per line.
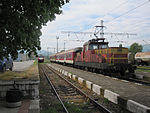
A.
pixel 119 16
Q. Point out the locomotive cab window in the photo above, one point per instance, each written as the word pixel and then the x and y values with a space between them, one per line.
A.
pixel 103 46
pixel 93 46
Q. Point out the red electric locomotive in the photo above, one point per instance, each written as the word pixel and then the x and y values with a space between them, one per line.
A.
pixel 96 56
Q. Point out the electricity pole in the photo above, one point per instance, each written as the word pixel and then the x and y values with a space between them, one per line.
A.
pixel 57 42
pixel 48 52
pixel 64 45
pixel 99 30
pixel 54 50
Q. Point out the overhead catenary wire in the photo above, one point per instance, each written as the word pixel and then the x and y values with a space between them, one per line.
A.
pixel 109 12
pixel 123 3
pixel 144 3
pixel 130 10
pixel 127 12
pixel 146 42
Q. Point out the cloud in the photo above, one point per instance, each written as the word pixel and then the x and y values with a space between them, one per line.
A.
pixel 82 15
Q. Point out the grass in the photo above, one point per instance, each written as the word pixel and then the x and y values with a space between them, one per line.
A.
pixel 52 109
pixel 46 61
pixel 30 73
pixel 143 69
pixel 82 108
pixel 35 62
pixel 72 108
pixel 106 100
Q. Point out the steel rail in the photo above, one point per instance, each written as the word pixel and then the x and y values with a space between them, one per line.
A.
pixel 49 81
pixel 100 107
pixel 146 83
pixel 142 68
pixel 133 80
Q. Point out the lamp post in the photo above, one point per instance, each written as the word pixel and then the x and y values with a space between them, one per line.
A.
pixel 57 42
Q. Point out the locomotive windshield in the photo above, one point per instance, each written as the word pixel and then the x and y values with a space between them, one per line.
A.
pixel 93 46
pixel 97 46
pixel 103 46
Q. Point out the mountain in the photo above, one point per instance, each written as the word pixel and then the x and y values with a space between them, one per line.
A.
pixel 44 53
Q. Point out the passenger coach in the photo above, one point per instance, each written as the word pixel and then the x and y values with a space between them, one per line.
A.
pixel 65 57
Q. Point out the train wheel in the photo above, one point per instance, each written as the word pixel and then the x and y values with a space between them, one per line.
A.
pixel 86 69
pixel 131 71
pixel 108 72
pixel 91 69
pixel 94 70
pixel 100 71
pixel 122 73
pixel 104 72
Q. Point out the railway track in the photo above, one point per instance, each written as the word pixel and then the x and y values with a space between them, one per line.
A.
pixel 68 94
pixel 138 81
pixel 130 79
pixel 135 80
pixel 143 68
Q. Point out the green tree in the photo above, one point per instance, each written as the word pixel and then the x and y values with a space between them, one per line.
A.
pixel 135 47
pixel 21 22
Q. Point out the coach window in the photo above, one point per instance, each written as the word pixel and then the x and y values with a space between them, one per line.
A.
pixel 69 55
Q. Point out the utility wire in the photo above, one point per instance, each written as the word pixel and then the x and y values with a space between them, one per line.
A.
pixel 130 10
pixel 146 42
pixel 109 12
pixel 116 8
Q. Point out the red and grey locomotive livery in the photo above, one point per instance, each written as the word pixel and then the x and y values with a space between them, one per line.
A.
pixel 96 55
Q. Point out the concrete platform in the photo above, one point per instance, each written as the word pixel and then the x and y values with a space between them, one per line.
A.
pixel 134 97
pixel 28 106
pixel 144 75
pixel 22 66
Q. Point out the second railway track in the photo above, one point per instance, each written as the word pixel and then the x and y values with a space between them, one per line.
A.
pixel 69 95
pixel 116 75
